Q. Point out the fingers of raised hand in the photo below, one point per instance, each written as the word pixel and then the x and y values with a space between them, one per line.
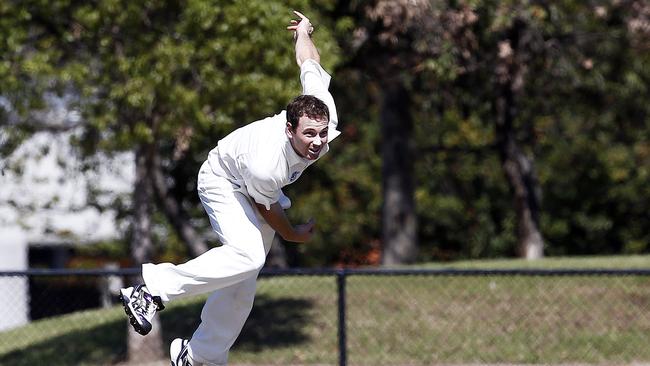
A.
pixel 303 20
pixel 295 25
pixel 300 15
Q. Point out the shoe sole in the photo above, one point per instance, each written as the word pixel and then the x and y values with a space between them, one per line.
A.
pixel 142 329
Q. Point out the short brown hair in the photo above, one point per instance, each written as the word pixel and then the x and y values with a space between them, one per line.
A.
pixel 306 105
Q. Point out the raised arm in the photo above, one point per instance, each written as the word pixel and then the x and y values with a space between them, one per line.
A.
pixel 314 79
pixel 305 48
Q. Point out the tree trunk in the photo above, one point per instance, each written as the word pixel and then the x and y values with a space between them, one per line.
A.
pixel 174 211
pixel 142 244
pixel 519 171
pixel 399 220
pixel 518 168
pixel 143 349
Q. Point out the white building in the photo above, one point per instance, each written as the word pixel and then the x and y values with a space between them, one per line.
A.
pixel 43 198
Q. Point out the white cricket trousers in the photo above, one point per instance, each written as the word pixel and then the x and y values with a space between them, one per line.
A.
pixel 229 271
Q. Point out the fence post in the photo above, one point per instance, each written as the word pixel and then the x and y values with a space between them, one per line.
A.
pixel 340 280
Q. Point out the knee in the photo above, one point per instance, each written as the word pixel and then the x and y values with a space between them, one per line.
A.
pixel 255 260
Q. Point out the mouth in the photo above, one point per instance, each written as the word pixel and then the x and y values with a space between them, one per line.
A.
pixel 313 152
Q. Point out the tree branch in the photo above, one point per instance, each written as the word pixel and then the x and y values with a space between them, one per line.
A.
pixel 174 211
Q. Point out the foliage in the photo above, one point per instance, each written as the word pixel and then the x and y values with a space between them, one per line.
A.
pixel 343 190
pixel 580 114
pixel 183 74
pixel 178 75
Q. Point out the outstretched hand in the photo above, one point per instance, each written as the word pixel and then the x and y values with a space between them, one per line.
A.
pixel 302 26
pixel 303 233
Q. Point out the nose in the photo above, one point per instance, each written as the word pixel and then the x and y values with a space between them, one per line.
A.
pixel 317 141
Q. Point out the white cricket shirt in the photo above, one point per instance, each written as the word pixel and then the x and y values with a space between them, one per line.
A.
pixel 259 159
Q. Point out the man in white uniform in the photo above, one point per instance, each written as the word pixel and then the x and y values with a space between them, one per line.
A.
pixel 240 188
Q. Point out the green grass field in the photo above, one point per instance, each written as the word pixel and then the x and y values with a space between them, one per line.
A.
pixel 397 320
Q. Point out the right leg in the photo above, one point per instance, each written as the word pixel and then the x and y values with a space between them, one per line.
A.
pixel 241 256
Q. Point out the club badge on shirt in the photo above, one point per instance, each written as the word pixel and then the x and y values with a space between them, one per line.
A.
pixel 294 176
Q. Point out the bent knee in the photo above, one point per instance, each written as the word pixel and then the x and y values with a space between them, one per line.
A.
pixel 257 261
pixel 254 261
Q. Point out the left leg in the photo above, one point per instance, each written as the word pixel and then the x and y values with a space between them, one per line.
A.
pixel 223 316
pixel 222 319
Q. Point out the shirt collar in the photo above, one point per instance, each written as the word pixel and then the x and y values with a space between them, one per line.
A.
pixel 292 157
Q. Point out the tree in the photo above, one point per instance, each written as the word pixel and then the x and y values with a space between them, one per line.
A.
pixel 162 79
pixel 493 50
pixel 511 73
pixel 597 131
pixel 403 45
pixel 385 48
pixel 493 86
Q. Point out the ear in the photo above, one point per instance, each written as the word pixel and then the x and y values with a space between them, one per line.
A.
pixel 289 130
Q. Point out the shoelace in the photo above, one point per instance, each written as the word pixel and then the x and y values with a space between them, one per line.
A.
pixel 144 303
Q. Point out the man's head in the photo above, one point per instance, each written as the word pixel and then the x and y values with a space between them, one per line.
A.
pixel 307 120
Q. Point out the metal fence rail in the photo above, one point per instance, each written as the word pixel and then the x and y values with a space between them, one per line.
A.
pixel 352 316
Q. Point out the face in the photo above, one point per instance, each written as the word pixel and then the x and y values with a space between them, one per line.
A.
pixel 309 137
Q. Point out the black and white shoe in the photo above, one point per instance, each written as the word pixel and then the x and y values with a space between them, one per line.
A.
pixel 140 306
pixel 178 353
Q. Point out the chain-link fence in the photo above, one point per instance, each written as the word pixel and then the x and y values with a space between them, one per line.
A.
pixel 354 317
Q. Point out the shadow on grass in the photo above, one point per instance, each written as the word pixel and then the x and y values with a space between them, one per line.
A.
pixel 273 322
pixel 277 322
pixel 96 346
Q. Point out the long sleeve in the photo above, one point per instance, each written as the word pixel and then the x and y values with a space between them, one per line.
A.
pixel 315 81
